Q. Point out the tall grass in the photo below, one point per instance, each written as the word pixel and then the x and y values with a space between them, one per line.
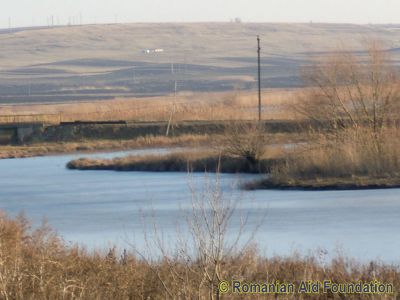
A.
pixel 187 106
pixel 352 156
pixel 38 264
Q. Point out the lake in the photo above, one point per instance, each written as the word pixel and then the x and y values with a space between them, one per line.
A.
pixel 103 208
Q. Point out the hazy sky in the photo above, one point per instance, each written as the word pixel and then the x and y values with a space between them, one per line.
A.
pixel 39 12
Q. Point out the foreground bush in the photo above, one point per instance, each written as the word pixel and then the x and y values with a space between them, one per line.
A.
pixel 37 264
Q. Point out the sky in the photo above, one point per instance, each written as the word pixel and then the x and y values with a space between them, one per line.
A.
pixel 18 13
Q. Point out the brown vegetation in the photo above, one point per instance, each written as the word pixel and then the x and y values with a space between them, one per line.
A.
pixel 357 104
pixel 353 93
pixel 147 141
pixel 244 140
pixel 349 162
pixel 176 162
pixel 37 264
pixel 188 106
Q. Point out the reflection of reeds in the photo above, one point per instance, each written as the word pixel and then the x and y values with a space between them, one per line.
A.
pixel 196 106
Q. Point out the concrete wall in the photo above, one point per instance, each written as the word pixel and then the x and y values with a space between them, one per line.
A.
pixel 17 134
pixel 7 136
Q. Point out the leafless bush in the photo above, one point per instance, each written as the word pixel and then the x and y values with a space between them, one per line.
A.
pixel 356 103
pixel 244 139
pixel 199 257
pixel 353 92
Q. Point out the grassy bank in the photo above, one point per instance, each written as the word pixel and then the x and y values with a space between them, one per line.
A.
pixel 38 264
pixel 176 162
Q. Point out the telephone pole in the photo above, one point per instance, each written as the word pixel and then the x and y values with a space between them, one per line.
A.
pixel 259 77
pixel 171 116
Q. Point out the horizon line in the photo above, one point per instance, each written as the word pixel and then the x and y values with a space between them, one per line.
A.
pixel 198 22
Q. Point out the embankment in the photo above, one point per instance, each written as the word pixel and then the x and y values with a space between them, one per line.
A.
pixel 78 131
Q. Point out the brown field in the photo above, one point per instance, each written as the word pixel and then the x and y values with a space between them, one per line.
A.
pixel 92 62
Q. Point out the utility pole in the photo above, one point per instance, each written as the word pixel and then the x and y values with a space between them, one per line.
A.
pixel 259 77
pixel 171 116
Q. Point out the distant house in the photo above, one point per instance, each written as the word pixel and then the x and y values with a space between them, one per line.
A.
pixel 158 50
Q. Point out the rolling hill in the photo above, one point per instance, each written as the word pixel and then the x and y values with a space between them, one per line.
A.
pixel 59 64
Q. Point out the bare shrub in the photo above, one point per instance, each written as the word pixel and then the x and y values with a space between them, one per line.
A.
pixel 356 103
pixel 352 92
pixel 198 262
pixel 244 139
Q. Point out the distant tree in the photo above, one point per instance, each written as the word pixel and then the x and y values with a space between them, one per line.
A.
pixel 353 92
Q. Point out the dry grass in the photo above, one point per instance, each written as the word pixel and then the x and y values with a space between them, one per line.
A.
pixel 356 102
pixel 147 141
pixel 188 106
pixel 242 147
pixel 37 264
pixel 348 160
pixel 197 161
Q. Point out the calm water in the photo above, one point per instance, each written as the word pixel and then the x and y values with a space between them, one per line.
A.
pixel 100 208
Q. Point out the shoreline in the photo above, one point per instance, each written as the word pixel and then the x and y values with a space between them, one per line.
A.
pixel 326 184
pixel 210 162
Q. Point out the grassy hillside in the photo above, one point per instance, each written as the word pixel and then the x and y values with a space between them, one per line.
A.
pixel 103 61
